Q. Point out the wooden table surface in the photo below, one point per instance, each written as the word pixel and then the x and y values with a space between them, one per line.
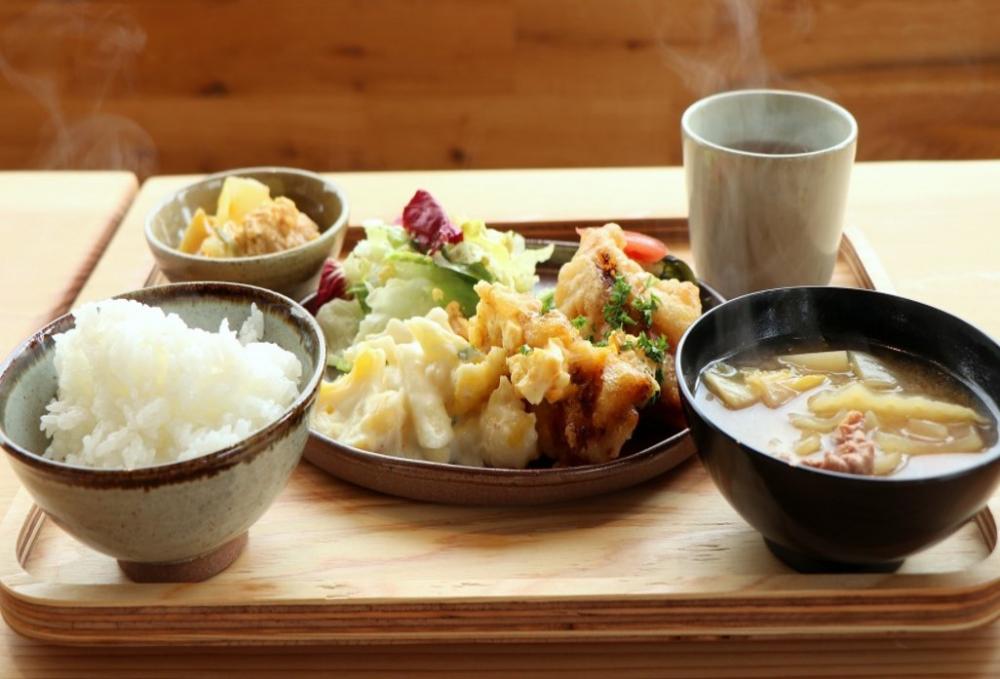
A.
pixel 53 228
pixel 932 225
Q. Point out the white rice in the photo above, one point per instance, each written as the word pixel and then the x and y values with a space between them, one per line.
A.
pixel 137 387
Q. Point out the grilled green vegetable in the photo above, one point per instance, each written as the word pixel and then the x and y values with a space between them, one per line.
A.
pixel 672 267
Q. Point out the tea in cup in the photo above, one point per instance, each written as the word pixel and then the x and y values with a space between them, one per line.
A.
pixel 767 174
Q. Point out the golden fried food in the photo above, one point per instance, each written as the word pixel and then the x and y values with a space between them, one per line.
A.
pixel 595 419
pixel 612 292
pixel 587 282
pixel 501 317
pixel 586 397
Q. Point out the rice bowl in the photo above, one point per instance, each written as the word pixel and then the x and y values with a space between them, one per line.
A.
pixel 184 520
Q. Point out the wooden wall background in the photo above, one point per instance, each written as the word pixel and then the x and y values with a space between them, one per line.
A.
pixel 199 85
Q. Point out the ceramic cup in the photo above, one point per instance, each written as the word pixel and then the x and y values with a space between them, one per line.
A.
pixel 767 174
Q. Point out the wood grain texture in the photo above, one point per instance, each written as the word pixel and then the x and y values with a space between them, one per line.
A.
pixel 965 278
pixel 974 654
pixel 389 84
pixel 334 563
pixel 59 220
pixel 53 228
pixel 330 562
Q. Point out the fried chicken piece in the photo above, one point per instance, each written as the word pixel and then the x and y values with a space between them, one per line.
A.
pixel 592 423
pixel 586 398
pixel 586 285
pixel 668 406
pixel 853 452
pixel 586 282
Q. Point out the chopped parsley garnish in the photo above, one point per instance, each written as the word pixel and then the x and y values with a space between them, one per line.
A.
pixel 646 308
pixel 548 301
pixel 525 349
pixel 579 322
pixel 600 342
pixel 655 348
pixel 616 310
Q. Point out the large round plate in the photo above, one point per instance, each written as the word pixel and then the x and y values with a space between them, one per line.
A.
pixel 461 485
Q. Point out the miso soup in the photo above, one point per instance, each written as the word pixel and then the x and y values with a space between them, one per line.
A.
pixel 875 412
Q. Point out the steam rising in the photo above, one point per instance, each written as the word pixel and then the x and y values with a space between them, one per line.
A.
pixel 69 58
pixel 735 58
pixel 778 221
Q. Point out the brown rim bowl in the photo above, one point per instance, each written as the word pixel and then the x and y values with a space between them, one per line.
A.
pixel 186 518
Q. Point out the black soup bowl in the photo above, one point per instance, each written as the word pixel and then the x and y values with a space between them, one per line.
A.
pixel 822 521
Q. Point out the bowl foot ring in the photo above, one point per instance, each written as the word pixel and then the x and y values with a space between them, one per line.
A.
pixel 195 570
pixel 807 564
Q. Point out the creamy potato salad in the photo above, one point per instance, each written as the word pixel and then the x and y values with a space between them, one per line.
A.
pixel 419 390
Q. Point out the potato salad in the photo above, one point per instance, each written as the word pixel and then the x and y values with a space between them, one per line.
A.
pixel 421 391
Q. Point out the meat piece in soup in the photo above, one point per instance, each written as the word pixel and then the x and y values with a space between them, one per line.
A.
pixel 875 412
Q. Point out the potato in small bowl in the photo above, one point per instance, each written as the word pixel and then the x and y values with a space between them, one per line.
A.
pixel 266 226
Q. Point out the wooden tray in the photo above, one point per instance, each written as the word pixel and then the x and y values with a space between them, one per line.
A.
pixel 334 563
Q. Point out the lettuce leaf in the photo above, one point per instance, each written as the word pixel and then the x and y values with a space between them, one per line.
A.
pixel 398 298
pixel 500 254
pixel 339 319
pixel 391 275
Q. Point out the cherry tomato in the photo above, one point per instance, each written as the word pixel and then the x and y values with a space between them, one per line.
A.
pixel 644 249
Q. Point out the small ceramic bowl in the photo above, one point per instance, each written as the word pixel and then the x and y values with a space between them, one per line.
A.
pixel 822 521
pixel 291 272
pixel 176 522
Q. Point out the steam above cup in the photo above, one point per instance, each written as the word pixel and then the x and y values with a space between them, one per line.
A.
pixel 767 173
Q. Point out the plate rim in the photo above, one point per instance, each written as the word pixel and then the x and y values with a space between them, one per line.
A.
pixel 499 476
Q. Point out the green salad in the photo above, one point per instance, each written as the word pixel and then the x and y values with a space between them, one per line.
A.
pixel 401 271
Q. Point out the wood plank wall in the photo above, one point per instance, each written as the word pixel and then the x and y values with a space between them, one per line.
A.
pixel 200 85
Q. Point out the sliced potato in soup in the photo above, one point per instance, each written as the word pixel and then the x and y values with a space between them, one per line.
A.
pixel 872 412
pixel 820 361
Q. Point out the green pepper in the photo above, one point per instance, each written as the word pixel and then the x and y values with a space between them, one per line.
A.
pixel 672 267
